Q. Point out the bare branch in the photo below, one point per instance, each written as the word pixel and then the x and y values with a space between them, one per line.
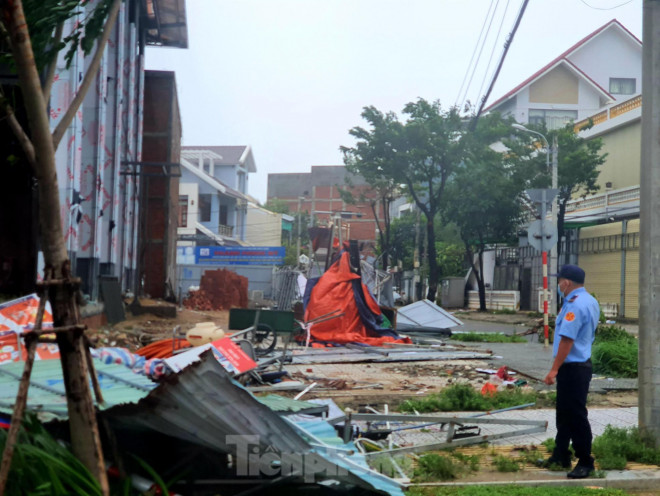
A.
pixel 90 75
pixel 50 72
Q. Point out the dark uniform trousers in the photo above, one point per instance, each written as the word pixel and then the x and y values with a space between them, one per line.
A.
pixel 572 423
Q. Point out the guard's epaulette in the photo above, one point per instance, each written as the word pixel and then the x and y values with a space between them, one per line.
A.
pixel 573 298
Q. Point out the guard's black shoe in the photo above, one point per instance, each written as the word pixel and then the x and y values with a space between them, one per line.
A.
pixel 554 461
pixel 580 472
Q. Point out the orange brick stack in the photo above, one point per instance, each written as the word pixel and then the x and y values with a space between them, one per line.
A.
pixel 219 290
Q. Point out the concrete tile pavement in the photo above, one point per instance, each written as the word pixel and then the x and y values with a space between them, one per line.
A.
pixel 598 417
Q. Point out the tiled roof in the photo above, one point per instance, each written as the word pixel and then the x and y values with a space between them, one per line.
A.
pixel 231 155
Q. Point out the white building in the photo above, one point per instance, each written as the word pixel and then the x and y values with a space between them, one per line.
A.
pixel 213 194
pixel 602 69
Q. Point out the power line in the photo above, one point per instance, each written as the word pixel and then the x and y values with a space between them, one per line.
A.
pixel 606 8
pixel 492 52
pixel 474 52
pixel 476 63
pixel 507 44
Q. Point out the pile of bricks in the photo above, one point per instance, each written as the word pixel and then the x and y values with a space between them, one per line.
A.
pixel 219 290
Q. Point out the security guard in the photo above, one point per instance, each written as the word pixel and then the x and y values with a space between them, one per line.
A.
pixel 574 334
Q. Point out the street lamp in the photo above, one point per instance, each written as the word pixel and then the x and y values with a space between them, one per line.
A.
pixel 555 205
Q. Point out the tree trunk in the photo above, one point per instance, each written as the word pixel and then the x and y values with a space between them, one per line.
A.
pixel 480 282
pixel 82 419
pixel 434 272
pixel 560 224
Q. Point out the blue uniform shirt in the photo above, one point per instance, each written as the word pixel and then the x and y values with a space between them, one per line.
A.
pixel 577 320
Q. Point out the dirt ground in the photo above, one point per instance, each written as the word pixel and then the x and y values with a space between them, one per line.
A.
pixel 350 385
pixel 137 331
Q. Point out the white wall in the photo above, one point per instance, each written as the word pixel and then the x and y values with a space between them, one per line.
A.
pixel 264 228
pixel 611 54
pixel 191 190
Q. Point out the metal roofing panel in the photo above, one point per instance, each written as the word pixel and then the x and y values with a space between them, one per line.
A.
pixel 425 313
pixel 203 405
pixel 47 397
pixel 285 406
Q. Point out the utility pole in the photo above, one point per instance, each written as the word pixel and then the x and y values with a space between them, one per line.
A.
pixel 300 198
pixel 649 246
pixel 555 211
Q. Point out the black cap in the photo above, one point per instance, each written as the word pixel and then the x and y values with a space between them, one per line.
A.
pixel 572 273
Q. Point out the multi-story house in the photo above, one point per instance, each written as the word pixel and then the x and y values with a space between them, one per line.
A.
pixel 603 68
pixel 213 194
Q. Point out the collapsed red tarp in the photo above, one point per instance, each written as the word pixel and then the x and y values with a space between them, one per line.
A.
pixel 340 288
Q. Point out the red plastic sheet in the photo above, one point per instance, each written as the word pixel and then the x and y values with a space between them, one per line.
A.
pixel 333 291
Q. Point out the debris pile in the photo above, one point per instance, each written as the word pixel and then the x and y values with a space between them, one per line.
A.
pixel 219 290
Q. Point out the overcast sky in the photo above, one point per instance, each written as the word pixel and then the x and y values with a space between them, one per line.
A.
pixel 290 77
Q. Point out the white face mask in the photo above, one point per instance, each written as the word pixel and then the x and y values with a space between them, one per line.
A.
pixel 560 292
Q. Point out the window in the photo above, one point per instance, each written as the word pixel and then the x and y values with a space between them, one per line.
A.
pixel 623 86
pixel 205 208
pixel 223 215
pixel 553 118
pixel 183 211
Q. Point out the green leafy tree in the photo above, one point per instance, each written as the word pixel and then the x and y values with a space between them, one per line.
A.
pixel 379 195
pixel 422 153
pixel 403 240
pixel 277 205
pixel 578 162
pixel 484 196
pixel 374 158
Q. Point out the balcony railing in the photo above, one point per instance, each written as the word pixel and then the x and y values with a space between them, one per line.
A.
pixel 604 199
pixel 225 230
pixel 611 113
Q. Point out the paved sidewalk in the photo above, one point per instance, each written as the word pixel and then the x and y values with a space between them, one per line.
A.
pixel 598 417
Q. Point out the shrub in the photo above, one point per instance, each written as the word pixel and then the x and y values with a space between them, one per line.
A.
pixel 435 467
pixel 615 358
pixel 506 464
pixel 613 333
pixel 464 398
pixel 616 446
pixel 615 352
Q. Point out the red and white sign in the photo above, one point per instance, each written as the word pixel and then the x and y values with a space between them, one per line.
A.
pixel 19 316
pixel 231 357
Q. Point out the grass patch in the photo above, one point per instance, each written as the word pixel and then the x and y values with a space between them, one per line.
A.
pixel 487 337
pixel 464 398
pixel 434 467
pixel 504 311
pixel 617 446
pixel 615 352
pixel 512 491
pixel 470 461
pixel 506 464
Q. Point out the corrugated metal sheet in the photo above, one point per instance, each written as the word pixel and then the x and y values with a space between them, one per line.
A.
pixel 603 276
pixel 285 406
pixel 631 309
pixel 46 395
pixel 204 406
pixel 611 229
pixel 425 313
